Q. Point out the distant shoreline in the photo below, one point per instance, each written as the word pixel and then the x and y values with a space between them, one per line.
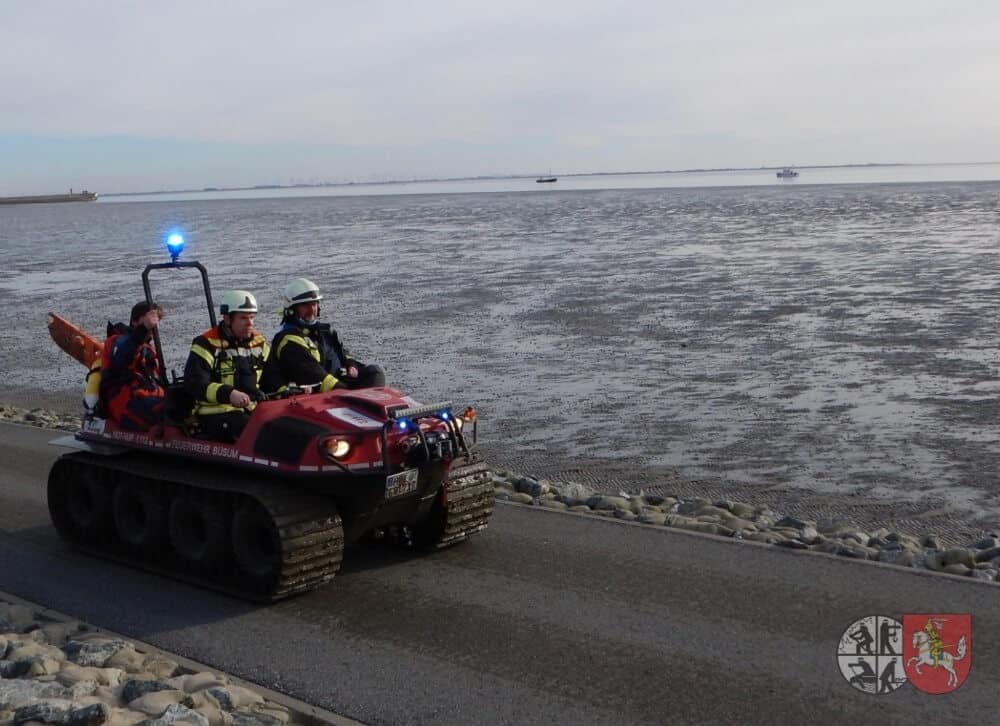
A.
pixel 389 182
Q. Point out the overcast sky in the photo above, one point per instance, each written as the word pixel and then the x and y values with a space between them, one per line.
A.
pixel 130 96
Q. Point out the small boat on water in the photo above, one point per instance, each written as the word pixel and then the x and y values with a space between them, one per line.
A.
pixel 546 179
pixel 83 196
pixel 787 173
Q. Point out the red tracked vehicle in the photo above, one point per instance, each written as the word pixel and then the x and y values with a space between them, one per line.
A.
pixel 268 516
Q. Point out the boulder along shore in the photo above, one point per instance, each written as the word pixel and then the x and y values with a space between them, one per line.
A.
pixel 978 558
pixel 60 671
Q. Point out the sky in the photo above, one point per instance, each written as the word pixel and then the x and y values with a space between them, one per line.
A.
pixel 136 96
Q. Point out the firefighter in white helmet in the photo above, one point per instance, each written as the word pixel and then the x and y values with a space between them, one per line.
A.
pixel 307 353
pixel 224 367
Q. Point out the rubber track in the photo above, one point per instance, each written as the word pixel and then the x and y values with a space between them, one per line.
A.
pixel 308 525
pixel 470 503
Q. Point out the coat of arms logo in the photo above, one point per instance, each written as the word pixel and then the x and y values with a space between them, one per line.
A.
pixel 870 655
pixel 937 650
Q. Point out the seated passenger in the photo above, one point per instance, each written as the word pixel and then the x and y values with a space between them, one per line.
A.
pixel 308 353
pixel 131 391
pixel 224 367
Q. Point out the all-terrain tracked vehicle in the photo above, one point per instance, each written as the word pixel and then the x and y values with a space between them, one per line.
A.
pixel 268 516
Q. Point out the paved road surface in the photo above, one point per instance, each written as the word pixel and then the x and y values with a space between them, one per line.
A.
pixel 546 618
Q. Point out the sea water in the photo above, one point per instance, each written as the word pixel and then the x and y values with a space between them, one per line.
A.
pixel 823 334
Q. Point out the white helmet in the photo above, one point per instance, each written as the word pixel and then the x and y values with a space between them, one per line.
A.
pixel 237 301
pixel 301 290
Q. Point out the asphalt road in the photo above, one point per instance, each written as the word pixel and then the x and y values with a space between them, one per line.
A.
pixel 545 618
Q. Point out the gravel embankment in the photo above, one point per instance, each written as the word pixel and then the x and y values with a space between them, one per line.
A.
pixel 55 670
pixel 722 517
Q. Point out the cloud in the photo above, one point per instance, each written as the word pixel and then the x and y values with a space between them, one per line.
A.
pixel 459 86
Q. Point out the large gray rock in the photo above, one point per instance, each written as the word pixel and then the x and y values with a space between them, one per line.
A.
pixel 17 693
pixel 137 689
pixel 573 494
pixel 92 715
pixel 94 652
pixel 602 503
pixel 988 555
pixel 55 712
pixel 63 713
pixel 177 714
pixel 531 486
pixel 14 668
pixel 156 703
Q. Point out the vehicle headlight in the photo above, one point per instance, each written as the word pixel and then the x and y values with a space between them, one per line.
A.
pixel 334 448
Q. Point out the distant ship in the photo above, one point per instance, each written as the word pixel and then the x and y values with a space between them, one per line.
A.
pixel 787 173
pixel 545 179
pixel 83 196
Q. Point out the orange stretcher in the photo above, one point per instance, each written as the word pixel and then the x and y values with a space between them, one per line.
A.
pixel 74 340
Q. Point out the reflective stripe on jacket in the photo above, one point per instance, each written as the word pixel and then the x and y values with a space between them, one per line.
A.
pixel 305 357
pixel 217 364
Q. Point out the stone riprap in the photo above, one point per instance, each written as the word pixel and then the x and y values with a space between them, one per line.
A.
pixel 40 417
pixel 724 518
pixel 738 520
pixel 66 673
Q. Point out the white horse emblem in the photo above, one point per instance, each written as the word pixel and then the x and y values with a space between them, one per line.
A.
pixel 922 642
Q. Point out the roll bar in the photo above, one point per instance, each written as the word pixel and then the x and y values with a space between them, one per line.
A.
pixel 174 264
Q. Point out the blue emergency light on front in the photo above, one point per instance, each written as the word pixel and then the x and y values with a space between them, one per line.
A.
pixel 175 245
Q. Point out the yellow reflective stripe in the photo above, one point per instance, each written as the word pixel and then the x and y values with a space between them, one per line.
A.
pixel 299 340
pixel 204 410
pixel 206 355
pixel 327 383
pixel 212 392
pixel 210 409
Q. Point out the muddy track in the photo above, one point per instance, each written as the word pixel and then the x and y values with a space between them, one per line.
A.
pixel 291 541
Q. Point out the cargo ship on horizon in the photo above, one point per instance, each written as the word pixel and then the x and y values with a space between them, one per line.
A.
pixel 83 196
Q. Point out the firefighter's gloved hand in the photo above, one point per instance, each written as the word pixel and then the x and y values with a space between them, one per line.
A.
pixel 89 411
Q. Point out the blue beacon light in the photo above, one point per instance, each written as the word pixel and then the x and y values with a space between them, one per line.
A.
pixel 175 245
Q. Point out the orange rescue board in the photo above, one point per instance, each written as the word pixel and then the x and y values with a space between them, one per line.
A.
pixel 73 340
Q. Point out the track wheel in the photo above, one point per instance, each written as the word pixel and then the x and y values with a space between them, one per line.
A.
pixel 256 544
pixel 79 501
pixel 463 507
pixel 199 530
pixel 140 517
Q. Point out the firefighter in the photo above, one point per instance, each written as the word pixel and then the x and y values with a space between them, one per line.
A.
pixel 306 353
pixel 224 367
pixel 130 390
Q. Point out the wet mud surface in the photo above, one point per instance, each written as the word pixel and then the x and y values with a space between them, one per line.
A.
pixel 827 350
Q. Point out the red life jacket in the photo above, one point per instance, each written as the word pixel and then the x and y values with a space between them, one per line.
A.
pixel 141 376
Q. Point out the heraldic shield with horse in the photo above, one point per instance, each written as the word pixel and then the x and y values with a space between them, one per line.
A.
pixel 937 650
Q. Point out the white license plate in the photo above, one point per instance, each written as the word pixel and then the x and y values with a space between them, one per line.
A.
pixel 402 483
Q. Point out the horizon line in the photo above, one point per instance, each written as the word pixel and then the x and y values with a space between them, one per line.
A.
pixel 319 185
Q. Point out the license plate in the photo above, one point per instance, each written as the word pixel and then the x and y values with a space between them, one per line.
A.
pixel 402 483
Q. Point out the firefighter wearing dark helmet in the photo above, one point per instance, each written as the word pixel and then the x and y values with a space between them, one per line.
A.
pixel 224 367
pixel 307 353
